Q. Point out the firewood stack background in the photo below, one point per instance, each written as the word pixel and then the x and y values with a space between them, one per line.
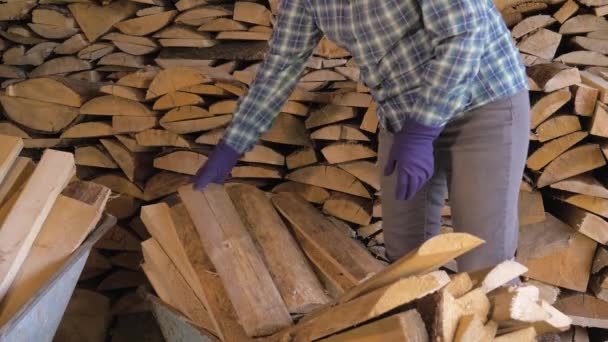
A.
pixel 140 92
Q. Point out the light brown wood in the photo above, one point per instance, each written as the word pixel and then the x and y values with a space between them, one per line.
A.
pixel 311 193
pixel 348 208
pixel 37 115
pixel 558 126
pixel 574 162
pixel 367 307
pixel 140 79
pixel 185 113
pixel 87 15
pixel 240 267
pixel 583 24
pixel 54 90
pixel 253 13
pixel 405 326
pixel 585 222
pixel 177 99
pixel 531 24
pixel 211 138
pixel 8 128
pixel 92 129
pixel 17 175
pixel 441 313
pixel 68 223
pixel 553 76
pixel 26 217
pixel 551 150
pixel 339 132
pixel 198 16
pixel 173 79
pixel 431 255
pixel 329 114
pixel 555 254
pixel 471 328
pixel 502 274
pixel 117 60
pixel 295 280
pixel 222 24
pixel 60 65
pixel 585 184
pixel 547 293
pixel 180 294
pixel 115 105
pixel 600 260
pixel 355 263
pixel 133 124
pixel 145 25
pixel 158 137
pixel 596 82
pixel 123 206
pixel 303 157
pixel 135 166
pixel 548 105
pixel 584 310
pixel 197 125
pixel 600 119
pixel 513 306
pixel 119 184
pixel 530 207
pixel 263 155
pixel 568 9
pixel 243 35
pixel 126 92
pixel 96 51
pixel 163 184
pixel 584 99
pixel 186 162
pixel 93 156
pixel 329 177
pixel 287 129
pixel 345 152
pixel 256 172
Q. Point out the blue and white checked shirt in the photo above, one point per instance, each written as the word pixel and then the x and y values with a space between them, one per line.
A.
pixel 423 60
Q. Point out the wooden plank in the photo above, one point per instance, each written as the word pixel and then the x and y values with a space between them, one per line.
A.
pixel 10 147
pixel 176 290
pixel 292 274
pixel 67 225
pixel 353 260
pixel 342 316
pixel 249 285
pixel 405 326
pixel 26 217
pixel 432 254
pixel 16 177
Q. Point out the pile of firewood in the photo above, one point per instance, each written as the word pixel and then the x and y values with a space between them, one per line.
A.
pixel 251 274
pixel 140 91
pixel 45 215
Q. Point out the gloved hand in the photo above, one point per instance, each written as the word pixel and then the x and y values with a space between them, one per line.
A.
pixel 411 155
pixel 218 166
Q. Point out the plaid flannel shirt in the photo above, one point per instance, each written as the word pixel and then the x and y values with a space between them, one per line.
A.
pixel 423 60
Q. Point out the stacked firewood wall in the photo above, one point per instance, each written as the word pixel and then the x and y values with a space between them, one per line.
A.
pixel 140 92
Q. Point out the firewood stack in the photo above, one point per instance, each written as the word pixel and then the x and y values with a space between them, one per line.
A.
pixel 140 91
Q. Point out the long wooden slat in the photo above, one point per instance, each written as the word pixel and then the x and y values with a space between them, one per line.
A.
pixel 432 254
pixel 10 147
pixel 248 283
pixel 71 219
pixel 344 253
pixel 25 218
pixel 295 279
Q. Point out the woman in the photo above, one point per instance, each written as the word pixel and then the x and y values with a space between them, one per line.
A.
pixel 452 103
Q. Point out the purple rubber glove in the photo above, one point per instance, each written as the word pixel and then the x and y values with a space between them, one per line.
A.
pixel 412 156
pixel 218 166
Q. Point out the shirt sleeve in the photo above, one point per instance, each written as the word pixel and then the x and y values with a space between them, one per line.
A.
pixel 293 40
pixel 459 31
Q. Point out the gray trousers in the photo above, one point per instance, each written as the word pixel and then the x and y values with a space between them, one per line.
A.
pixel 479 160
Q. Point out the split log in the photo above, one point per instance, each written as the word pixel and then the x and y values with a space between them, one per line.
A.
pixel 119 184
pixel 136 166
pixel 329 114
pixel 523 335
pixel 185 113
pixel 548 105
pixel 531 24
pixel 583 24
pixel 405 326
pixel 530 207
pixel 163 184
pixel 16 176
pixel 177 99
pixel 40 116
pixel 329 177
pixel 543 44
pixel 256 172
pixel 87 16
pixel 585 222
pixel 186 162
pixel 584 99
pixel 157 137
pixel 555 254
pixel 61 91
pixel 311 193
pixel 558 126
pixel 115 105
pixel 431 255
pixel 365 171
pixel 25 217
pixel 123 206
pixel 584 310
pixel 287 129
pixel 590 58
pixel 568 9
pixel 316 233
pixel 93 129
pixel 133 124
pixel 60 65
pixel 198 16
pixel 119 60
pixel 551 150
pixel 501 275
pixel 339 132
pixel 290 270
pixel 348 208
pixel 574 162
pixel 96 51
pixel 553 76
pixel 263 155
pixel 197 125
pixel 367 307
pixel 263 317
pixel 173 79
pixel 300 158
pixel 600 119
pixel 585 184
pixel 596 82
pixel 119 239
pixel 93 156
pixel 516 306
pixel 345 152
pixel 145 25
